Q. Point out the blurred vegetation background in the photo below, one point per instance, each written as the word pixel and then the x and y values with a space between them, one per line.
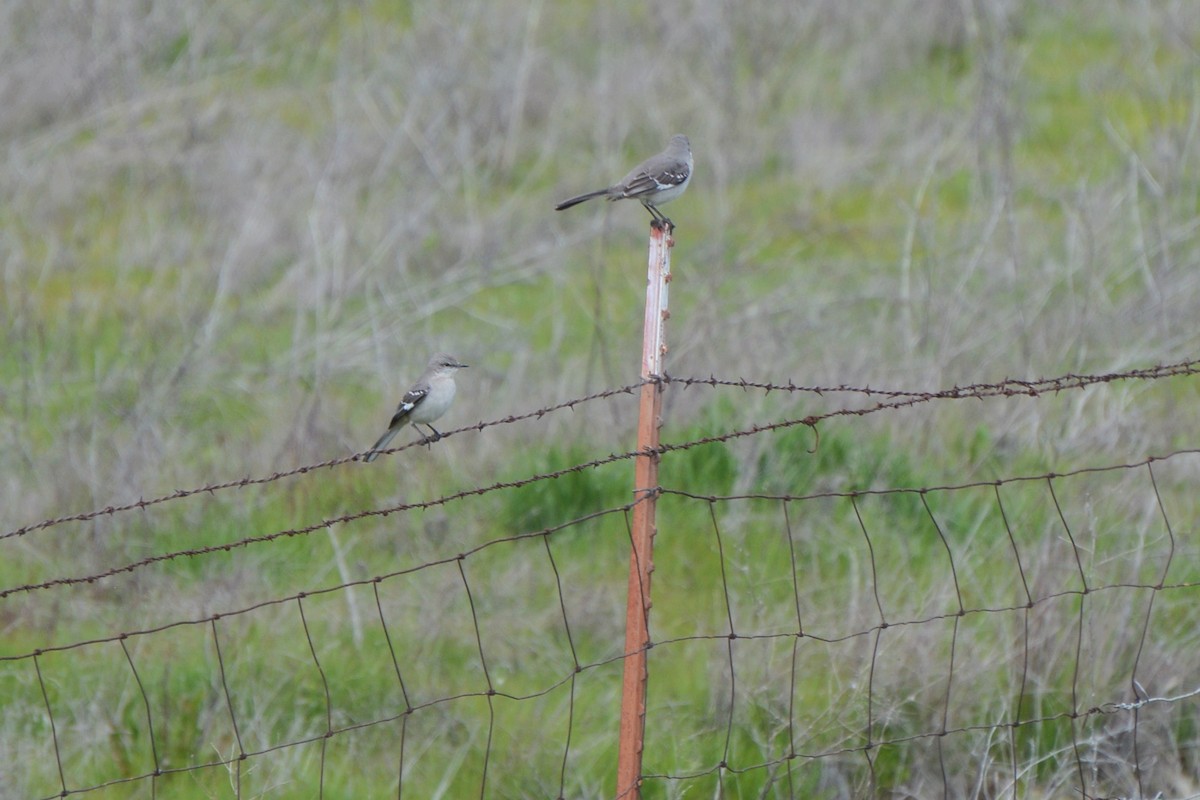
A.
pixel 233 232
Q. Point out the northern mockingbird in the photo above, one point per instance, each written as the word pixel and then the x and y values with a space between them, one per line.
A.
pixel 428 399
pixel 657 180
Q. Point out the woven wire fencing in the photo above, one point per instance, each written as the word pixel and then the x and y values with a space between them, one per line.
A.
pixel 823 624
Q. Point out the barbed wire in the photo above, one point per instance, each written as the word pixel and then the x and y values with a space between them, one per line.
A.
pixel 1006 388
pixel 666 447
pixel 240 483
pixel 270 537
pixel 948 487
pixel 446 499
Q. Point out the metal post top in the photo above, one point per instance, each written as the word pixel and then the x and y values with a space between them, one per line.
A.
pixel 658 276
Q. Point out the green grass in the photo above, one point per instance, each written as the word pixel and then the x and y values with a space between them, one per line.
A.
pixel 228 246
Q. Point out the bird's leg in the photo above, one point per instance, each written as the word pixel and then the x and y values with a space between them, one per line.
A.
pixel 659 221
pixel 428 440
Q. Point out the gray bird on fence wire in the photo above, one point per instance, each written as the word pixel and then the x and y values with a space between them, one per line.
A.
pixel 656 181
pixel 428 399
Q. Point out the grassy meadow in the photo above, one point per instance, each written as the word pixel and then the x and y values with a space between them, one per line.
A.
pixel 232 233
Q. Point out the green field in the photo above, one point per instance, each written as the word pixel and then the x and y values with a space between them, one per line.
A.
pixel 232 234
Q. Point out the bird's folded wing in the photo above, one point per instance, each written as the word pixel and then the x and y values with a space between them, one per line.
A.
pixel 639 185
pixel 411 400
pixel 645 183
pixel 672 177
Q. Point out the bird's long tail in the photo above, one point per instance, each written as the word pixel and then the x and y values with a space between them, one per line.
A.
pixel 574 201
pixel 382 443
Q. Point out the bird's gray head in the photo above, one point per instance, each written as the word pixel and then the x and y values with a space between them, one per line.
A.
pixel 444 361
pixel 680 142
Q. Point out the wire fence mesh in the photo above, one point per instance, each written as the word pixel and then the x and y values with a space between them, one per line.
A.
pixel 828 632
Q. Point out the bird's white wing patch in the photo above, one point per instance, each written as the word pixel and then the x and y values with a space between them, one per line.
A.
pixel 670 178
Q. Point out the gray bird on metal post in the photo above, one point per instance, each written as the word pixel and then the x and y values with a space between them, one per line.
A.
pixel 428 399
pixel 656 181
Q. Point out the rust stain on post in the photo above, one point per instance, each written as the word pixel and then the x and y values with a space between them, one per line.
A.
pixel 641 560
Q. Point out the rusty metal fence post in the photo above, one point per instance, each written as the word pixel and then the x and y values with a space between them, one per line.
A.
pixel 641 559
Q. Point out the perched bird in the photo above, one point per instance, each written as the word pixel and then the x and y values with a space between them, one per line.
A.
pixel 657 180
pixel 428 399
